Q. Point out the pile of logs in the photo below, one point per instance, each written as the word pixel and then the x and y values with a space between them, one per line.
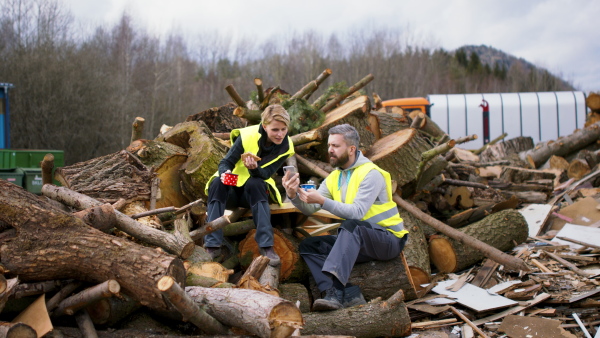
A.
pixel 123 232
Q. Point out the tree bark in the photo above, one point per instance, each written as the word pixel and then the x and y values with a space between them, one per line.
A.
pixel 137 129
pixel 235 96
pixel 254 311
pixel 84 298
pixel 219 119
pixel 16 330
pixel 259 89
pixel 320 79
pixel 296 292
pixel 390 123
pixel 110 311
pixel 125 223
pixel 384 278
pixel 416 250
pixel 503 150
pixel 189 309
pixel 11 285
pixel 489 251
pixel 313 167
pixel 204 154
pixel 108 178
pixel 85 324
pixel 561 147
pixel 362 321
pixel 399 154
pixel 522 175
pixel 492 142
pixel 354 113
pixel 101 217
pixel 501 230
pixel 52 244
pixel 154 153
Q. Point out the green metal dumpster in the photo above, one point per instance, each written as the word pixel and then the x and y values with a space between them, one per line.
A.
pixel 14 176
pixel 14 158
pixel 32 180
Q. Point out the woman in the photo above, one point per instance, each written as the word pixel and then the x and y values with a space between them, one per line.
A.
pixel 270 142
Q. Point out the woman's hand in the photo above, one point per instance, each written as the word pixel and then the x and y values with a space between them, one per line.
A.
pixel 223 175
pixel 250 162
pixel 291 182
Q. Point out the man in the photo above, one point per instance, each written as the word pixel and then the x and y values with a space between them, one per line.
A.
pixel 270 142
pixel 361 193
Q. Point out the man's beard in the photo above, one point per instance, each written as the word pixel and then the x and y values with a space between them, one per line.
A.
pixel 338 161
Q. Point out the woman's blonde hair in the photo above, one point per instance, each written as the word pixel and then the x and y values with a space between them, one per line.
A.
pixel 275 112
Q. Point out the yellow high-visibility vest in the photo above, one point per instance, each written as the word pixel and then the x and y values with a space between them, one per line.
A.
pixel 250 136
pixel 385 214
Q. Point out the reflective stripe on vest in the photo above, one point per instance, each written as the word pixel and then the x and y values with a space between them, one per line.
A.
pixel 250 136
pixel 384 214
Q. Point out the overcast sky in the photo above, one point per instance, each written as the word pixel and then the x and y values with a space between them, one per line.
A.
pixel 559 35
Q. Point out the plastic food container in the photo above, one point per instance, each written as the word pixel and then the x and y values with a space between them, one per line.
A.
pixel 230 179
pixel 307 186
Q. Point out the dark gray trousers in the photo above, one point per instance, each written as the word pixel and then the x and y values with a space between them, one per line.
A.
pixel 253 194
pixel 356 242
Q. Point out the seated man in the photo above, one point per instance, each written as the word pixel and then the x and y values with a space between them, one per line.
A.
pixel 361 193
pixel 268 140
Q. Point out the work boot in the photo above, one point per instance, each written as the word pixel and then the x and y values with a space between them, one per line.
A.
pixel 332 300
pixel 213 252
pixel 352 296
pixel 270 253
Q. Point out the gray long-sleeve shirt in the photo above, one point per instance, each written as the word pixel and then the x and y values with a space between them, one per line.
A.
pixel 372 190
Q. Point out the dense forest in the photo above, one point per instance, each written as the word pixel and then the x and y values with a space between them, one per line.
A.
pixel 80 92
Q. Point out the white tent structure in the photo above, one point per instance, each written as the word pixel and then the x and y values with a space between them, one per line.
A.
pixel 541 115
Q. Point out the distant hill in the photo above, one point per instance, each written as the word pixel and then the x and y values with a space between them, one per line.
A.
pixel 492 56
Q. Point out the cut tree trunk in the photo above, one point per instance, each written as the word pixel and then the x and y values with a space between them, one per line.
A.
pixel 503 150
pixel 502 230
pixel 460 197
pixel 380 279
pixel 416 249
pixel 153 153
pixel 522 175
pixel 173 244
pixel 86 297
pixel 16 330
pixel 489 251
pixel 256 312
pixel 399 154
pixel 52 244
pixel 204 154
pixel 384 278
pixel 561 147
pixel 390 123
pixel 296 292
pixel 108 178
pixel 219 119
pixel 389 318
pixel 137 128
pixel 189 309
pixel 578 168
pixel 169 174
pixel 355 113
pixel 110 311
pixel 293 268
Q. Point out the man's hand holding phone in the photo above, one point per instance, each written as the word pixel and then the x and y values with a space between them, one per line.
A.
pixel 290 181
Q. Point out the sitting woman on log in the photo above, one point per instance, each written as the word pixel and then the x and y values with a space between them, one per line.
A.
pixel 257 152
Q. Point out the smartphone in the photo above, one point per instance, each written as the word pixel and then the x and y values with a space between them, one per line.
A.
pixel 289 168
